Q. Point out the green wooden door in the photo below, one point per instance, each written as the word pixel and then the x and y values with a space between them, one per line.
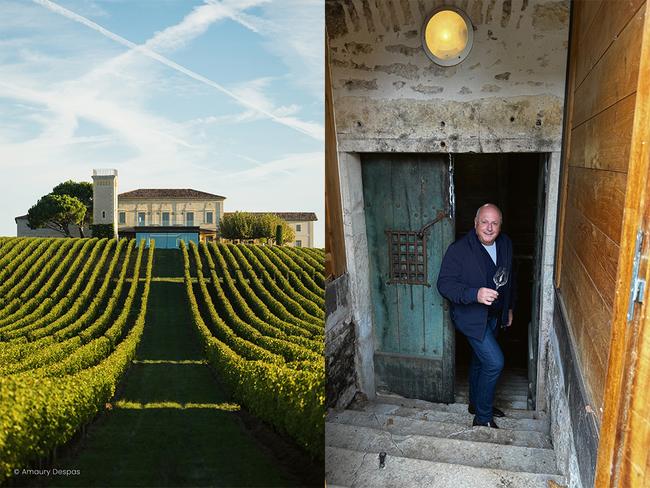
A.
pixel 414 338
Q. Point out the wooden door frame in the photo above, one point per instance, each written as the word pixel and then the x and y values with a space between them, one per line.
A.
pixel 624 435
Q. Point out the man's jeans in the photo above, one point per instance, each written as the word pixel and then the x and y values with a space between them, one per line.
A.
pixel 484 371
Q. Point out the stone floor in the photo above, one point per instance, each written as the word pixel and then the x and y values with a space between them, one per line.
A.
pixel 394 441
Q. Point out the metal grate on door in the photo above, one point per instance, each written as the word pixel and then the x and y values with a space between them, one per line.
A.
pixel 408 257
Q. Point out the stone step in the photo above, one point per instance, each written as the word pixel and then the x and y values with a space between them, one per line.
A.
pixel 453 415
pixel 404 426
pixel 504 403
pixel 462 396
pixel 519 413
pixel 512 395
pixel 355 469
pixel 441 450
pixel 503 382
pixel 523 389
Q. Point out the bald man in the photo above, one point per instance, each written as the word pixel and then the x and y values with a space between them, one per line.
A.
pixel 466 279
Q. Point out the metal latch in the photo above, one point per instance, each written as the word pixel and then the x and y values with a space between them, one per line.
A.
pixel 637 287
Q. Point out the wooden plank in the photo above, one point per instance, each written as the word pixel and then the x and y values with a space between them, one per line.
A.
pixel 583 348
pixel 603 142
pixel 615 76
pixel 628 358
pixel 603 30
pixel 595 376
pixel 636 445
pixel 375 173
pixel 567 143
pixel 586 308
pixel 335 260
pixel 407 215
pixel 587 313
pixel 433 185
pixel 588 365
pixel 585 12
pixel 599 196
pixel 596 251
pixel 646 477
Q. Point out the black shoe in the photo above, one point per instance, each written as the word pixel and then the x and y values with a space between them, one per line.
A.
pixel 495 411
pixel 490 423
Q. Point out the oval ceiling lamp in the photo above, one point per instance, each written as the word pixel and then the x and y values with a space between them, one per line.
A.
pixel 447 36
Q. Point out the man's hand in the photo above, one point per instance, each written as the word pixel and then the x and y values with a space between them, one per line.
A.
pixel 486 296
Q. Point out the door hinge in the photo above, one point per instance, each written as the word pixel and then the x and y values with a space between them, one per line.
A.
pixel 637 286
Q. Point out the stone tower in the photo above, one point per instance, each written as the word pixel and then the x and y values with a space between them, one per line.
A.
pixel 105 197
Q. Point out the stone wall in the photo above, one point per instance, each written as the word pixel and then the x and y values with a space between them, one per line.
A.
pixel 569 405
pixel 339 344
pixel 506 96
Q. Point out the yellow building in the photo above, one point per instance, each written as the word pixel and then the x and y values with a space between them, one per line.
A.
pixel 166 215
pixel 168 209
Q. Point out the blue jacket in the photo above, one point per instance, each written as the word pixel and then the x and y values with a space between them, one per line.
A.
pixel 463 272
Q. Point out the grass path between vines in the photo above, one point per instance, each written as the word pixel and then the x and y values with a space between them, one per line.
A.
pixel 171 424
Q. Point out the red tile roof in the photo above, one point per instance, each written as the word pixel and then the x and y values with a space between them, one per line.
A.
pixel 169 193
pixel 288 216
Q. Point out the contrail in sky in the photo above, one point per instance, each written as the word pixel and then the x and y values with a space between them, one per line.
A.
pixel 168 62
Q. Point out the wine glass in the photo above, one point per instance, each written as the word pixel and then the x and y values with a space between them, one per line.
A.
pixel 501 276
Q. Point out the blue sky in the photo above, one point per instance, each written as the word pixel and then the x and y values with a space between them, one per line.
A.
pixel 223 96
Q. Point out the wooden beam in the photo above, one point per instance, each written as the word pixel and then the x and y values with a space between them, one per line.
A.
pixel 335 262
pixel 566 141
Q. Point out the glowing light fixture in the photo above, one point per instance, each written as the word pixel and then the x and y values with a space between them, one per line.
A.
pixel 447 36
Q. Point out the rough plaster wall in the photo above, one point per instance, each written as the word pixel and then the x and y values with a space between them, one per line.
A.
pixel 356 252
pixel 552 184
pixel 507 95
pixel 562 437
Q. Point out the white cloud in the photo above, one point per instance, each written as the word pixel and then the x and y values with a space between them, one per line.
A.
pixel 288 164
pixel 142 131
pixel 197 22
pixel 295 32
pixel 305 128
pixel 256 91
pixel 50 96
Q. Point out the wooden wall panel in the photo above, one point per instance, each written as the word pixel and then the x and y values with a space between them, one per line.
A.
pixel 606 19
pixel 615 75
pixel 589 309
pixel 585 310
pixel 585 13
pixel 596 251
pixel 599 196
pixel 589 149
pixel 603 77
